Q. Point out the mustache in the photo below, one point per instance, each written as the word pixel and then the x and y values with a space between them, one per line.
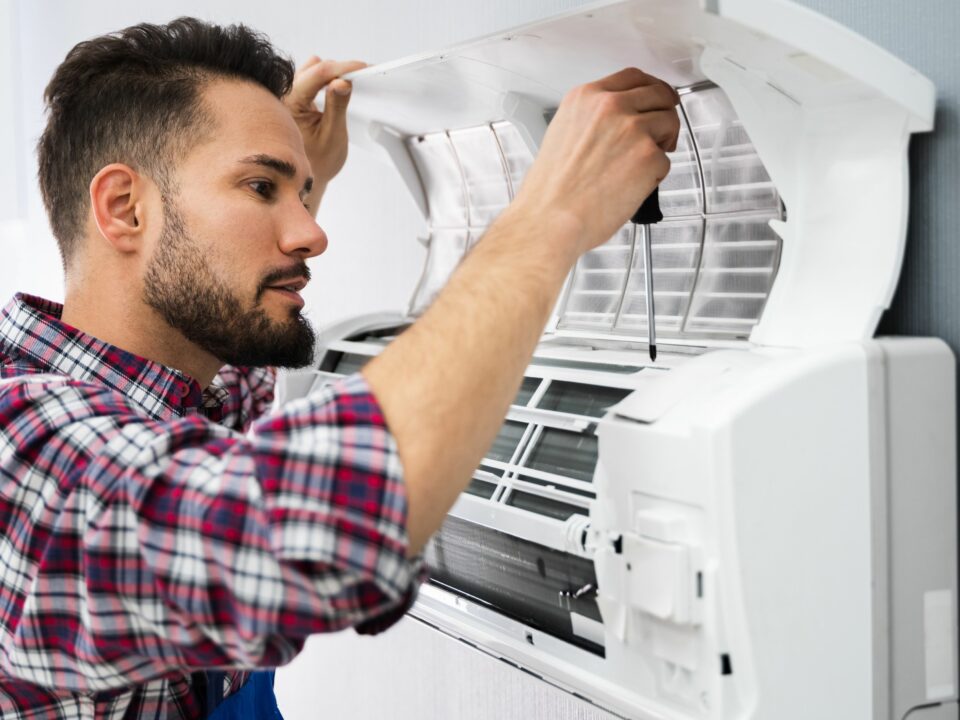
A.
pixel 293 272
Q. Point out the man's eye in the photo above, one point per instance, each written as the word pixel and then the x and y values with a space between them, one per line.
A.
pixel 263 188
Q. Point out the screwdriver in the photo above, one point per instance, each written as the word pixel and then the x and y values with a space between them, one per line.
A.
pixel 645 216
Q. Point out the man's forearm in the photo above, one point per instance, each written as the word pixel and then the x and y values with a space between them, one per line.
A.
pixel 446 383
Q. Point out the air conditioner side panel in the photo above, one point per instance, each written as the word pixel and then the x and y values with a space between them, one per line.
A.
pixel 921 418
pixel 773 466
pixel 795 508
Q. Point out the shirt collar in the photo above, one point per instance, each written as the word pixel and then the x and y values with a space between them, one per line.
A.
pixel 31 330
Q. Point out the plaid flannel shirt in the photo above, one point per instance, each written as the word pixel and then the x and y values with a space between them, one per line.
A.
pixel 150 528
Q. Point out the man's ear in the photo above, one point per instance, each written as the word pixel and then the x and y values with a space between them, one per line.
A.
pixel 117 195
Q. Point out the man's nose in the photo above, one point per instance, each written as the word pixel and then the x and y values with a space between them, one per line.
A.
pixel 302 236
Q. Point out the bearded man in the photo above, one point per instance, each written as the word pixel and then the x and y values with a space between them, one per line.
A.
pixel 162 535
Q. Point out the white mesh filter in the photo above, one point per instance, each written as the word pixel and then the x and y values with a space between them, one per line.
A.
pixel 469 176
pixel 714 254
pixel 733 176
pixel 484 174
pixel 675 247
pixel 597 285
pixel 740 257
pixel 442 180
pixel 445 250
pixel 680 191
pixel 516 154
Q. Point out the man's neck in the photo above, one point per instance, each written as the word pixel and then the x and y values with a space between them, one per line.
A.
pixel 139 329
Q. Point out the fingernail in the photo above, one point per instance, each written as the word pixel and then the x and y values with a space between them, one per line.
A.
pixel 342 88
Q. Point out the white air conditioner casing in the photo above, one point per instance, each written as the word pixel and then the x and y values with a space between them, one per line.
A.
pixel 761 524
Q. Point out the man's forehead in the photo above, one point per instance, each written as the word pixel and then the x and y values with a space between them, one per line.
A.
pixel 253 127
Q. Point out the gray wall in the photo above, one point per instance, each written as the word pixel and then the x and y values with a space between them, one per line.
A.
pixel 924 33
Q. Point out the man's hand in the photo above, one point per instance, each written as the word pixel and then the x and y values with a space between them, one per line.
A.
pixel 324 133
pixel 604 152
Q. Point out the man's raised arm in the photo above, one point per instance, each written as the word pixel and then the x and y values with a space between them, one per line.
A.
pixel 446 383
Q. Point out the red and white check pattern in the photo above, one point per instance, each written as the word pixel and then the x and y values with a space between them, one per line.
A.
pixel 150 528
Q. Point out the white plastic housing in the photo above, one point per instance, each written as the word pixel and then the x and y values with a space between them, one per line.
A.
pixel 771 524
pixel 774 533
pixel 829 113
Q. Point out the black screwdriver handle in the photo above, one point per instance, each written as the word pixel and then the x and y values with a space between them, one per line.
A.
pixel 649 212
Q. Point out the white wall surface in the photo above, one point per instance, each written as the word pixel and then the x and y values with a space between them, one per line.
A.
pixel 12 193
pixel 373 259
pixel 414 672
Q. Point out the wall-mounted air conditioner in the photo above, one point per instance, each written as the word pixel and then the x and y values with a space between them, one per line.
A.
pixel 761 524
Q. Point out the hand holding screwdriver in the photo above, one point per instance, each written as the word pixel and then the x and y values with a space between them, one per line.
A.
pixel 603 153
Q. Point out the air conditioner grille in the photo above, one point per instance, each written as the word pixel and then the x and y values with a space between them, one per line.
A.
pixel 579 398
pixel 544 506
pixel 563 452
pixel 525 581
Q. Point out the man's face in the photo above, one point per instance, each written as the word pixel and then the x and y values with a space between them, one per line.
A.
pixel 230 260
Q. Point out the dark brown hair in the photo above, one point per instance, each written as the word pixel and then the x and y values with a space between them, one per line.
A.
pixel 135 97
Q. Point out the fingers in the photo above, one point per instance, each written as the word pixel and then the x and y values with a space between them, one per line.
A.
pixel 653 160
pixel 663 127
pixel 312 60
pixel 335 105
pixel 316 74
pixel 625 79
pixel 633 91
pixel 654 103
pixel 630 78
pixel 649 98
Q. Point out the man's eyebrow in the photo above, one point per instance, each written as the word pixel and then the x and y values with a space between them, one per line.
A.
pixel 283 167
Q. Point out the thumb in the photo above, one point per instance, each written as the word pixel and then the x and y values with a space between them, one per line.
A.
pixel 335 103
pixel 314 76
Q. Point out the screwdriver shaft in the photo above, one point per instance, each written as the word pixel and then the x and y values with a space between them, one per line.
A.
pixel 648 286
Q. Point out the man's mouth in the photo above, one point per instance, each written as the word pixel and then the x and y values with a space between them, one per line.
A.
pixel 290 289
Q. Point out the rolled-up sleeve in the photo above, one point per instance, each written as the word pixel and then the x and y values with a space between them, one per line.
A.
pixel 160 546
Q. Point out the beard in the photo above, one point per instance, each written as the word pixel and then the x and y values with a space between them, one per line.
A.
pixel 182 286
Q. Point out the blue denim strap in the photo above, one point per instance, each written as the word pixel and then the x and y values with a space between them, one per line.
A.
pixel 254 701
